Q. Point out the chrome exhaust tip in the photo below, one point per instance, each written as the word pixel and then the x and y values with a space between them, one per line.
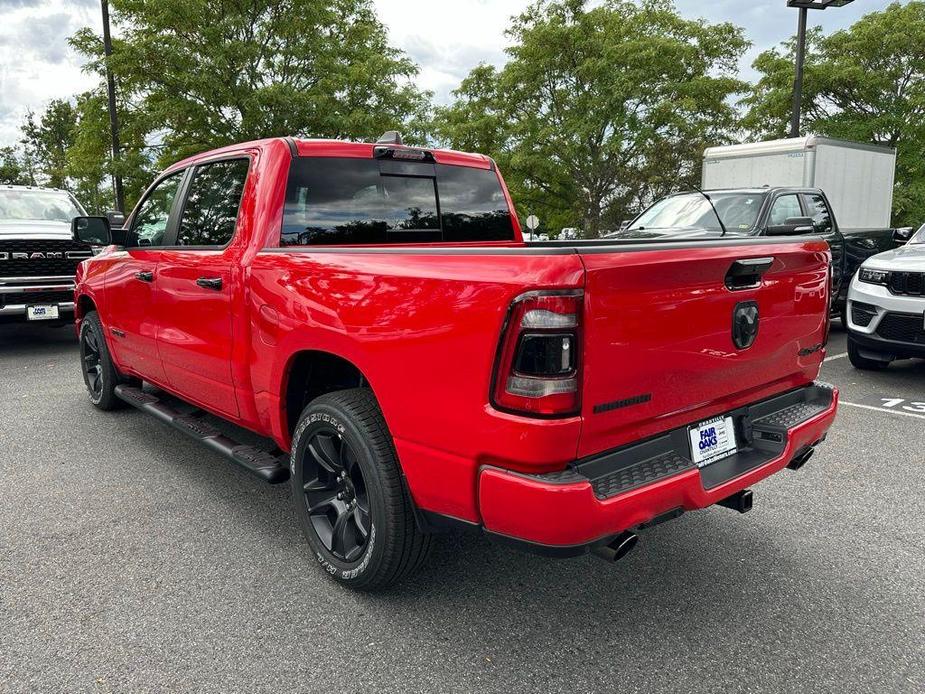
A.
pixel 618 548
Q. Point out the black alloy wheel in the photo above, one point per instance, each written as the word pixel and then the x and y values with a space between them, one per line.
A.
pixel 350 495
pixel 335 494
pixel 100 374
pixel 92 363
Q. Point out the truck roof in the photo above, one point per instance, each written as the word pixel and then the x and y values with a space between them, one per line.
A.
pixel 753 190
pixel 793 144
pixel 305 147
pixel 38 189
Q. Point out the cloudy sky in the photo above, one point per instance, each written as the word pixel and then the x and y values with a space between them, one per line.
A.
pixel 445 37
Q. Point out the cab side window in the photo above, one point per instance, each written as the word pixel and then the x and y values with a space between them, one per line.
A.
pixel 150 224
pixel 785 207
pixel 211 210
pixel 819 211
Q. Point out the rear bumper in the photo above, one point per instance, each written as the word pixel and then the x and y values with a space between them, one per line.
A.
pixel 599 498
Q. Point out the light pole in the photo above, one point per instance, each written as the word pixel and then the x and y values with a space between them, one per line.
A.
pixel 805 6
pixel 113 115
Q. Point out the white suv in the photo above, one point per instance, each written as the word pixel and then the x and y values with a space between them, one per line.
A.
pixel 886 307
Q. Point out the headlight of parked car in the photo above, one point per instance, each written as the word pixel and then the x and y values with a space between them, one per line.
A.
pixel 875 276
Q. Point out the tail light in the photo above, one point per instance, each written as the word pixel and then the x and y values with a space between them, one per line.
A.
pixel 538 369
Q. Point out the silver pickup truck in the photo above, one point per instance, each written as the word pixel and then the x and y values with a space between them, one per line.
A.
pixel 38 255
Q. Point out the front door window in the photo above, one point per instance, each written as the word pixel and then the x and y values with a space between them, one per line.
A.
pixel 150 225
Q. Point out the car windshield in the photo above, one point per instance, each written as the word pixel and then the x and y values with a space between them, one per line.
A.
pixel 919 236
pixel 739 211
pixel 37 205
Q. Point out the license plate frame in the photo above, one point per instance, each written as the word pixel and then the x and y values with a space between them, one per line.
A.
pixel 40 312
pixel 713 440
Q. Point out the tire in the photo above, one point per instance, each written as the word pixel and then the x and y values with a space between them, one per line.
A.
pixel 349 494
pixel 862 363
pixel 100 374
pixel 843 316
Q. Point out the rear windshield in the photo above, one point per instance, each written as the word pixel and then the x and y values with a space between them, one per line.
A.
pixel 369 201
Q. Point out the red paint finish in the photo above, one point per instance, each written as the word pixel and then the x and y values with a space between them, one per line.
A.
pixel 569 515
pixel 194 333
pixel 659 325
pixel 424 330
pixel 128 309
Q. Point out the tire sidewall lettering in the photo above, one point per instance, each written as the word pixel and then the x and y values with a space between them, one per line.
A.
pixel 295 467
pixel 349 574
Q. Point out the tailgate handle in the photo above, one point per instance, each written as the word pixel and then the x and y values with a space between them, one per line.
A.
pixel 210 283
pixel 747 273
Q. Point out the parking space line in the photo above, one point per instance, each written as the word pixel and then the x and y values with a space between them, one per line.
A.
pixel 881 409
pixel 837 356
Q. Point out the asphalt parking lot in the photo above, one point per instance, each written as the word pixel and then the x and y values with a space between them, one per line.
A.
pixel 131 559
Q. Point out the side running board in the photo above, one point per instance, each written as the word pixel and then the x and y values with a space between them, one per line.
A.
pixel 269 468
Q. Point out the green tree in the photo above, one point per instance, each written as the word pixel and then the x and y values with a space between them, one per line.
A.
pixel 477 121
pixel 599 109
pixel 47 140
pixel 89 160
pixel 207 73
pixel 769 103
pixel 865 83
pixel 11 168
pixel 68 146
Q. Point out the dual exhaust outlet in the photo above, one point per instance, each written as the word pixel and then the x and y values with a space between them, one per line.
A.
pixel 742 502
pixel 625 542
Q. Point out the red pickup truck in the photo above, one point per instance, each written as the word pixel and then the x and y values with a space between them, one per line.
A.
pixel 373 312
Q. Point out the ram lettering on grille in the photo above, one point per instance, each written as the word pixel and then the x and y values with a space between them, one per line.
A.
pixel 41 257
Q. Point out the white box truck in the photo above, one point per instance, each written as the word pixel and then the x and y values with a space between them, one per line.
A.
pixel 857 178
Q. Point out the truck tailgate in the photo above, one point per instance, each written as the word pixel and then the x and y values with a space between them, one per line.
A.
pixel 659 348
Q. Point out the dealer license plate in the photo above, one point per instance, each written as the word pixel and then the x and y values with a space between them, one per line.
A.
pixel 713 440
pixel 41 313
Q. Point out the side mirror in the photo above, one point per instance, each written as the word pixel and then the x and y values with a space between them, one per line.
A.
pixel 91 230
pixel 793 227
pixel 116 219
pixel 902 236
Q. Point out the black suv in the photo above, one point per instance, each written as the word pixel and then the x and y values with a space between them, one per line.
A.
pixel 763 212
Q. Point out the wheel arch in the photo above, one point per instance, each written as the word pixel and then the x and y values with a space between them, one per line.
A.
pixel 84 305
pixel 311 373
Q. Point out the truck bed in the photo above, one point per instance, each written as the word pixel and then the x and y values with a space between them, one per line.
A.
pixel 423 324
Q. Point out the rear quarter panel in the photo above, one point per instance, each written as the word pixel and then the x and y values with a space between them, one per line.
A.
pixel 424 330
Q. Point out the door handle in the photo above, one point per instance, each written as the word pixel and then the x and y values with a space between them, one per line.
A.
pixel 210 283
pixel 145 276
